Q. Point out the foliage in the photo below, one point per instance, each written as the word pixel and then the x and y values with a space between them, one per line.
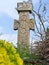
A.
pixel 47 29
pixel 8 54
pixel 28 57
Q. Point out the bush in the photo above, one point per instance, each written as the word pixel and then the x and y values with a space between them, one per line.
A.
pixel 8 54
pixel 47 28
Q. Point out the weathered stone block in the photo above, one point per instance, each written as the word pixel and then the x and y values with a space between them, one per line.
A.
pixel 25 6
pixel 32 24
pixel 16 24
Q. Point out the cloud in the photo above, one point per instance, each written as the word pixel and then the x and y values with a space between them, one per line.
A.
pixel 9 37
pixel 8 6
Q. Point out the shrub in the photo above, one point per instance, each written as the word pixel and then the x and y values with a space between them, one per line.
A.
pixel 8 54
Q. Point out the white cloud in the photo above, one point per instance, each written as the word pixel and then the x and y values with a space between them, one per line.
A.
pixel 8 6
pixel 9 37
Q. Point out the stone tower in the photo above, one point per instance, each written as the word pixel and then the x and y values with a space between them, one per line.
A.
pixel 24 24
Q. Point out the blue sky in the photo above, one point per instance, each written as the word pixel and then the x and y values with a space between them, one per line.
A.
pixel 7 16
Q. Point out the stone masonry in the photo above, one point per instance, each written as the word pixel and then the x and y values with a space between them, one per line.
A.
pixel 24 24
